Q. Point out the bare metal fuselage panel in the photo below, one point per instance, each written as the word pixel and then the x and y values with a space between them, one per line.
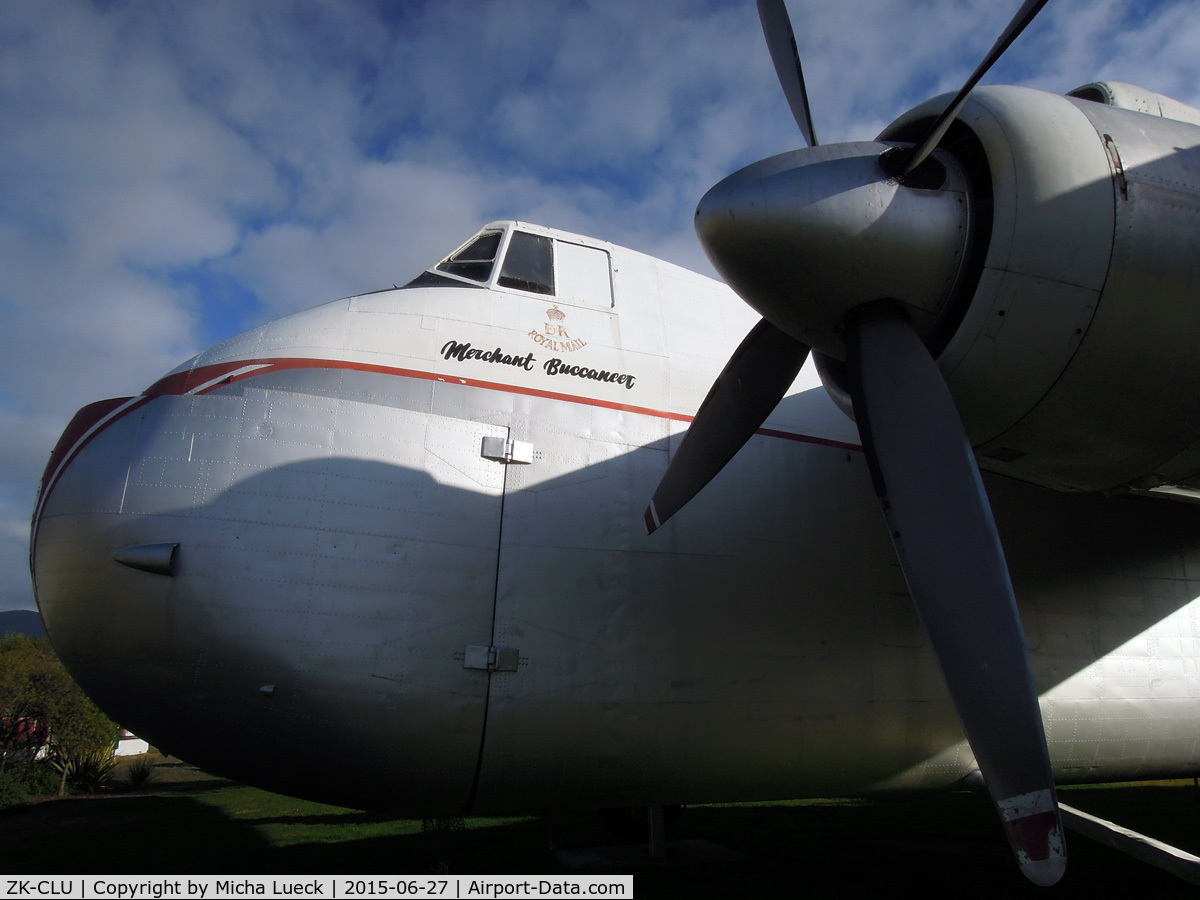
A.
pixel 412 571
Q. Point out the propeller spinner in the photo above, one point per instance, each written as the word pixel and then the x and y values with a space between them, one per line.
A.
pixel 854 250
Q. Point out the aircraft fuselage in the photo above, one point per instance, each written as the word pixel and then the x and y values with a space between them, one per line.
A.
pixel 389 553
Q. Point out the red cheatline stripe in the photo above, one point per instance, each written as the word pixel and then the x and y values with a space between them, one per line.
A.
pixel 204 379
pixel 81 423
pixel 88 422
pixel 182 382
pixel 806 439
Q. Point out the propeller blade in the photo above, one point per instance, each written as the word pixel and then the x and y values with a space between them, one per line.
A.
pixel 751 385
pixel 1023 17
pixel 941 525
pixel 781 41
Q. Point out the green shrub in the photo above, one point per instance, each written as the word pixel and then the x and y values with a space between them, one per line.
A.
pixel 36 776
pixel 39 778
pixel 39 702
pixel 140 771
pixel 12 791
pixel 87 772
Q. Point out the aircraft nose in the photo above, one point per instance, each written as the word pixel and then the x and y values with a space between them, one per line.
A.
pixel 807 236
pixel 98 612
pixel 269 584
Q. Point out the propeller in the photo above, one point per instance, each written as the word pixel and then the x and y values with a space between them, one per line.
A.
pixel 941 526
pixel 781 42
pixel 787 234
pixel 904 164
pixel 767 361
pixel 751 385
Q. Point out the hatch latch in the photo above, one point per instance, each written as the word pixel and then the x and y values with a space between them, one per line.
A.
pixel 490 659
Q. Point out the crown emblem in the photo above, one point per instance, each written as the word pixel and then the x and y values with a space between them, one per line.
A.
pixel 553 336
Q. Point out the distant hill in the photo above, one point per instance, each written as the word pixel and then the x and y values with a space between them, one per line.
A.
pixel 22 621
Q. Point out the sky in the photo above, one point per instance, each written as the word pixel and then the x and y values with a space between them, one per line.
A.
pixel 177 171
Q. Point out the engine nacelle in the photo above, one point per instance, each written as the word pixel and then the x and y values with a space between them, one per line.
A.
pixel 1132 96
pixel 1071 358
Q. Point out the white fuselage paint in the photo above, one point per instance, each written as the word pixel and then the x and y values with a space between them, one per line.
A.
pixel 344 543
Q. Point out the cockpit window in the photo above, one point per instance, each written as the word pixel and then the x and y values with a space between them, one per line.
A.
pixel 570 272
pixel 528 264
pixel 475 260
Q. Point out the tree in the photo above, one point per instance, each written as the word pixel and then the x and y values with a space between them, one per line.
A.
pixel 22 721
pixel 41 705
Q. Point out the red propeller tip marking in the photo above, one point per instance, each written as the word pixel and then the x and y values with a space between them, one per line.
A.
pixel 1035 831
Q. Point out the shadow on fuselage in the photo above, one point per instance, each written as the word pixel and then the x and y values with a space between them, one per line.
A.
pixel 314 637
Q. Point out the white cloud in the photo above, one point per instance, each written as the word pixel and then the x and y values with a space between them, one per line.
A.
pixel 301 151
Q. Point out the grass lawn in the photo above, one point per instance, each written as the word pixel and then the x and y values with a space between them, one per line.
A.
pixel 186 822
